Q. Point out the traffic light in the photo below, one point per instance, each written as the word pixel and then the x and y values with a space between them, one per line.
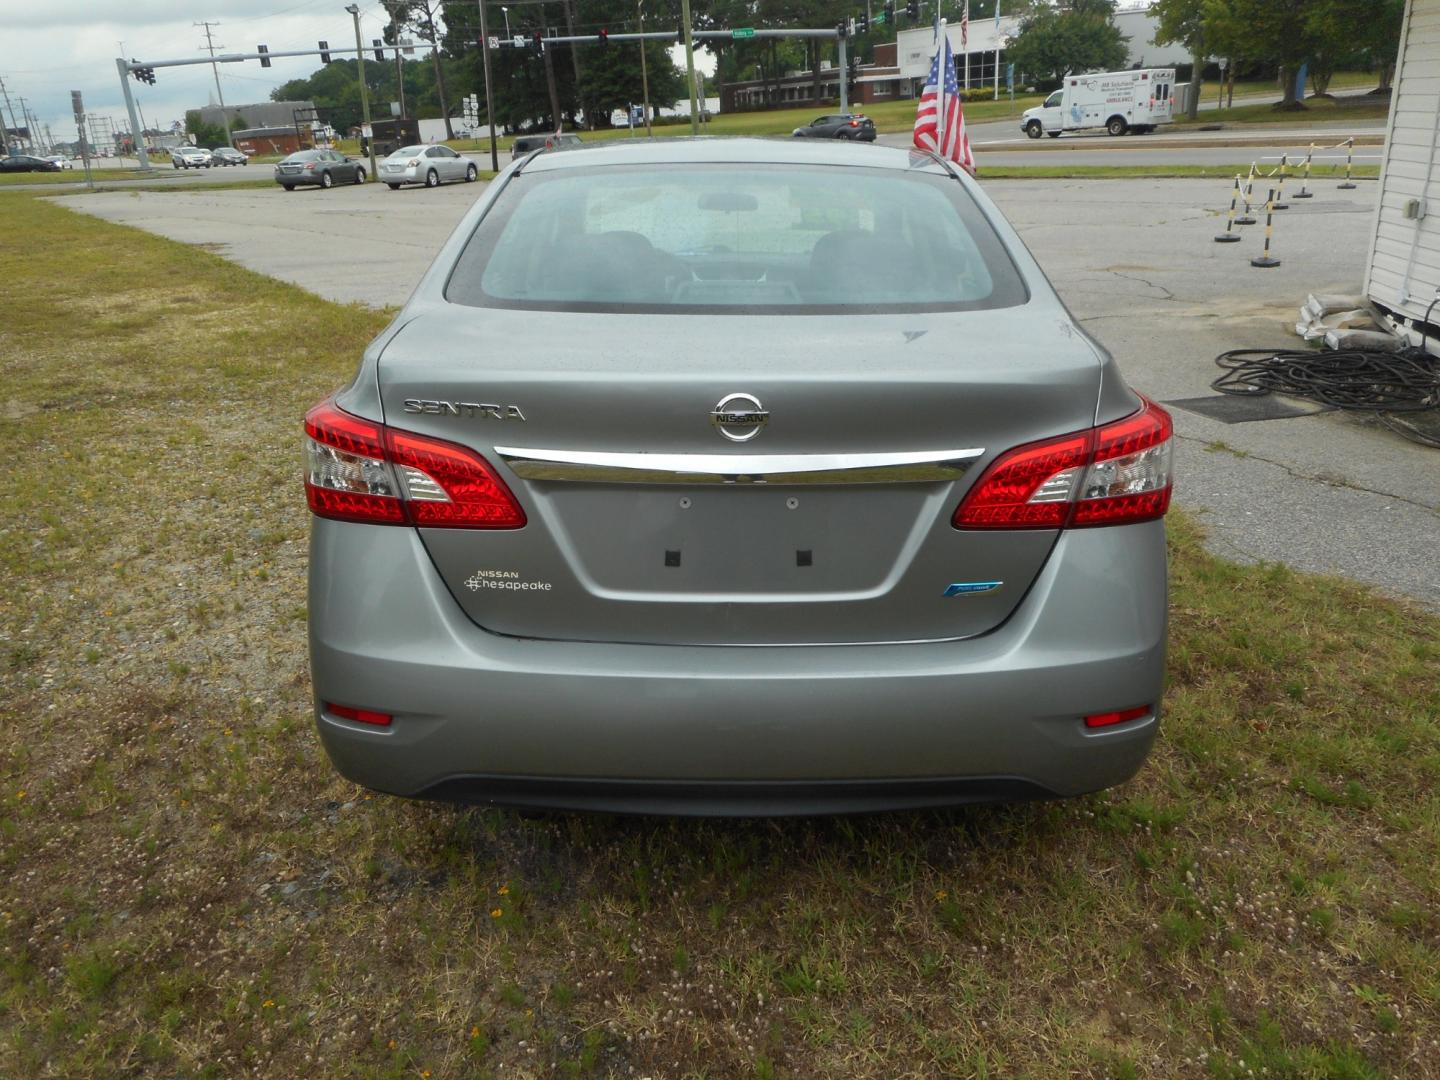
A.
pixel 379 52
pixel 144 74
pixel 862 24
pixel 262 50
pixel 912 9
pixel 889 12
pixel 539 40
pixel 842 30
pixel 324 52
pixel 604 37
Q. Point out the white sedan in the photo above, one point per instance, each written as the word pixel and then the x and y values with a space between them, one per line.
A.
pixel 190 157
pixel 428 165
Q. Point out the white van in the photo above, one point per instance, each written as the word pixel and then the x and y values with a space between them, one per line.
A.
pixel 1118 101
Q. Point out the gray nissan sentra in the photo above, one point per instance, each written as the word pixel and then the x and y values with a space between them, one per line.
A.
pixel 736 477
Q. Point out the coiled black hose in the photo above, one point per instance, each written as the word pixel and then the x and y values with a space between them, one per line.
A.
pixel 1370 380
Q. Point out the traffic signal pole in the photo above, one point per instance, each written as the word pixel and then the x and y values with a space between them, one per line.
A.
pixel 139 136
pixel 489 108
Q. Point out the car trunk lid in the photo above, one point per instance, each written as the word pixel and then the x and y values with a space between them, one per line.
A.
pixel 648 519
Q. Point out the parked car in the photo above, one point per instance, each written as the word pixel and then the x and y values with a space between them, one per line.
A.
pixel 838 126
pixel 788 513
pixel 190 157
pixel 228 155
pixel 428 165
pixel 324 167
pixel 526 144
pixel 27 163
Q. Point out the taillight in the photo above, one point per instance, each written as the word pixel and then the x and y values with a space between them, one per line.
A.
pixel 1116 474
pixel 854 123
pixel 358 470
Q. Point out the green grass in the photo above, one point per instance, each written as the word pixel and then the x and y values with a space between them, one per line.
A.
pixel 1316 111
pixel 187 888
pixel 888 116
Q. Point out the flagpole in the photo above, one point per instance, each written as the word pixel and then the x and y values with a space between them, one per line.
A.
pixel 965 21
pixel 940 45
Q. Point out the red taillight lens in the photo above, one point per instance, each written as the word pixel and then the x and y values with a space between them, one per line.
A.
pixel 360 716
pixel 854 123
pixel 358 470
pixel 1117 474
pixel 1120 716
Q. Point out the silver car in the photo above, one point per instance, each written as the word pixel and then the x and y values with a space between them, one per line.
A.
pixel 736 476
pixel 428 165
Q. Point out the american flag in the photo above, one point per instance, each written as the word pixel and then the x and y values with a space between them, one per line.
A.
pixel 948 139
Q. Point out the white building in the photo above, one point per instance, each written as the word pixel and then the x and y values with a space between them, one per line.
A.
pixel 987 46
pixel 1403 274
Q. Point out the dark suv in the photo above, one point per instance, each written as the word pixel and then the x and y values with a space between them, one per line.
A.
pixel 839 126
pixel 524 144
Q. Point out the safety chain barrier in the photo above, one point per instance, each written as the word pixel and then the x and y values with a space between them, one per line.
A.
pixel 1240 194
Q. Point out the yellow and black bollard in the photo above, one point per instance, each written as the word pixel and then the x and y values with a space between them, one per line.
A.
pixel 1278 194
pixel 1229 236
pixel 1305 178
pixel 1349 158
pixel 1245 218
pixel 1265 260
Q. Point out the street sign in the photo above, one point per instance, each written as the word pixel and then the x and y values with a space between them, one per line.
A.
pixel 519 41
pixel 493 42
pixel 77 105
pixel 742 32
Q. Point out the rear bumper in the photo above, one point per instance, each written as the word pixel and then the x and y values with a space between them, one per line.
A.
pixel 696 729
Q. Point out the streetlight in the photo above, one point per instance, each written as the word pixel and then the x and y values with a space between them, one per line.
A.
pixel 354 10
pixel 506 12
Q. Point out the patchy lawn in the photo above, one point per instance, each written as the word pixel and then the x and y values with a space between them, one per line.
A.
pixel 187 889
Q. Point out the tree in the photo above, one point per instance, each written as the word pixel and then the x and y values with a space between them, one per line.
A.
pixel 1206 28
pixel 205 134
pixel 418 17
pixel 1055 41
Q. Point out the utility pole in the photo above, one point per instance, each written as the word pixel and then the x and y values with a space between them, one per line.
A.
pixel 215 68
pixel 485 64
pixel 354 10
pixel 16 127
pixel 549 57
pixel 690 67
pixel 644 73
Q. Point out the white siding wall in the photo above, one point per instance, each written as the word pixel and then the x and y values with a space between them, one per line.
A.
pixel 1404 267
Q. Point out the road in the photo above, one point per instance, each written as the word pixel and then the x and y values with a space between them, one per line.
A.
pixel 1327 492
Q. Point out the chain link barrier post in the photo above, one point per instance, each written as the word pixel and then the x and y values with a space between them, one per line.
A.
pixel 1264 260
pixel 1229 236
pixel 1305 177
pixel 1277 196
pixel 1349 159
pixel 1245 218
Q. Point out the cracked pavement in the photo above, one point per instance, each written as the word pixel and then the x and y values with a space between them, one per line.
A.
pixel 1135 261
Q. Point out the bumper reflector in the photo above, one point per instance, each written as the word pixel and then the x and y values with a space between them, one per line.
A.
pixel 360 716
pixel 1120 716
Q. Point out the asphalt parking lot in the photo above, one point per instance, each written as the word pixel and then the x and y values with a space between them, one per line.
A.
pixel 1133 259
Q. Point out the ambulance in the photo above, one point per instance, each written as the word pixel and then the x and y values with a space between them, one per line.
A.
pixel 1118 101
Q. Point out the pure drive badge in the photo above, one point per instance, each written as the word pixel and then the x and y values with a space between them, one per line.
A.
pixel 970 588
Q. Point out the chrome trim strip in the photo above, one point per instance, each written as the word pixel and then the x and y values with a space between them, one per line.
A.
pixel 584 466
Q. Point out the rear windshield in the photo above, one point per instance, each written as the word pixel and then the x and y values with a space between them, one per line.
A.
pixel 748 238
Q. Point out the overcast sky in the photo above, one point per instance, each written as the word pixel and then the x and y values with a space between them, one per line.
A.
pixel 50 47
